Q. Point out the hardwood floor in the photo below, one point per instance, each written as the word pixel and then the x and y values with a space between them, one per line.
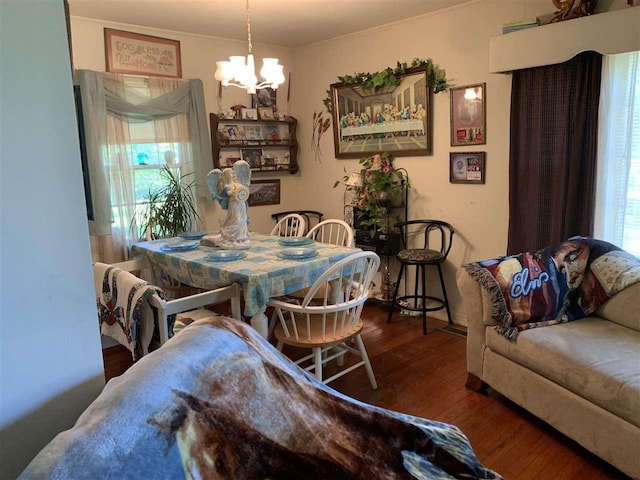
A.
pixel 425 376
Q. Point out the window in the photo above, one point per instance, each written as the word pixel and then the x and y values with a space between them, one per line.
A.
pixel 130 124
pixel 617 217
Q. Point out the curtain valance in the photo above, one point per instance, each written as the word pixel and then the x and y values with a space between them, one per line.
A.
pixel 106 94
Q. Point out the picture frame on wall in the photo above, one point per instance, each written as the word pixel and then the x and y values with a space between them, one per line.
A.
pixel 138 54
pixel 468 115
pixel 391 119
pixel 467 167
pixel 266 97
pixel 264 192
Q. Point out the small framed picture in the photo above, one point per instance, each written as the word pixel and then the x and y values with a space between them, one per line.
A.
pixel 228 133
pixel 253 132
pixel 249 114
pixel 253 156
pixel 272 132
pixel 266 113
pixel 468 116
pixel 264 192
pixel 229 161
pixel 467 167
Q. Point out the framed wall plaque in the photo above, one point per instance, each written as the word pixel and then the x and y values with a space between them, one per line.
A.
pixel 468 117
pixel 467 167
pixel 128 52
pixel 264 192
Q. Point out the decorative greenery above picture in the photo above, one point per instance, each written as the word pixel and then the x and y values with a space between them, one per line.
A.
pixel 389 77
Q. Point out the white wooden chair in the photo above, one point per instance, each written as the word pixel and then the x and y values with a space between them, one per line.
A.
pixel 189 306
pixel 292 225
pixel 332 323
pixel 334 231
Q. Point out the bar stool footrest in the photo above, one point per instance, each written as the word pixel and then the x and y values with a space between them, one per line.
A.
pixel 403 302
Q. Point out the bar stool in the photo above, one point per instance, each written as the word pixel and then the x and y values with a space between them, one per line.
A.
pixel 421 258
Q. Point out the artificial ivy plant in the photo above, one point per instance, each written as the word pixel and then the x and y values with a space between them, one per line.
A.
pixel 436 78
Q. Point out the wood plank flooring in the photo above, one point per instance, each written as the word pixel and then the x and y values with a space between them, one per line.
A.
pixel 425 376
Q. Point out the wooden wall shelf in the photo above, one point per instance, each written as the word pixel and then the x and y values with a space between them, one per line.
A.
pixel 267 145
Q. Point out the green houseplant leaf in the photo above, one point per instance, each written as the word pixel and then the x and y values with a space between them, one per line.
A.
pixel 169 210
pixel 436 78
pixel 381 186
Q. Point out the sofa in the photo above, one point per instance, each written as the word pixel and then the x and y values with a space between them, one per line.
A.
pixel 582 376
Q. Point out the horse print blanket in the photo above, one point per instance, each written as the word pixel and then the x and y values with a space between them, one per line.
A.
pixel 556 284
pixel 219 402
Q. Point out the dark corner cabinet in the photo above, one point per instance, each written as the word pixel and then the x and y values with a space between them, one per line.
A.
pixel 267 145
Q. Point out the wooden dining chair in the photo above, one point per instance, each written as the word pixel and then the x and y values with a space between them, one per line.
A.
pixel 311 217
pixel 292 225
pixel 334 231
pixel 327 327
pixel 186 308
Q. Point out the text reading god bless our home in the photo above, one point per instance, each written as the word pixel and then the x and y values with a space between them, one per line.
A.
pixel 141 55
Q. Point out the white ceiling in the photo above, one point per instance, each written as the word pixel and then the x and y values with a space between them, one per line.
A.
pixel 290 23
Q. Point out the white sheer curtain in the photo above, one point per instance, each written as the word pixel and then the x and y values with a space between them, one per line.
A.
pixel 617 213
pixel 111 102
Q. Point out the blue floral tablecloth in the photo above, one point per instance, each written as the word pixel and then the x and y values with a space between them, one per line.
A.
pixel 261 272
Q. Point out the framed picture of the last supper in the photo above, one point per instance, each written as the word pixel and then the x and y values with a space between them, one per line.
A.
pixel 392 119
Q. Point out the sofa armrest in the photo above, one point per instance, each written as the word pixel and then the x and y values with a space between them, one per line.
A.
pixel 477 307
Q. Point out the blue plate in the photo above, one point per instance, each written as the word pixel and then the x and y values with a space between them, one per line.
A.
pixel 192 235
pixel 180 246
pixel 295 241
pixel 297 253
pixel 225 255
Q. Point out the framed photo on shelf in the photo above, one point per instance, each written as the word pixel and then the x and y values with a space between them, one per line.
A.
pixel 468 115
pixel 253 156
pixel 229 161
pixel 264 192
pixel 249 114
pixel 272 132
pixel 253 132
pixel 137 54
pixel 228 133
pixel 467 167
pixel 266 113
pixel 394 119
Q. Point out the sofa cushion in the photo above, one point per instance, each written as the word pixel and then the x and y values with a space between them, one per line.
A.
pixel 592 357
pixel 623 308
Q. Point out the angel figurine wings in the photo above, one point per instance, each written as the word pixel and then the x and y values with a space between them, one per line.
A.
pixel 230 187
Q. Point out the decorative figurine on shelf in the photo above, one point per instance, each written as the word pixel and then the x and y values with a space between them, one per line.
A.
pixel 230 187
pixel 567 10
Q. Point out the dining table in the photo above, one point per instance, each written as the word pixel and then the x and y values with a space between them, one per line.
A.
pixel 269 268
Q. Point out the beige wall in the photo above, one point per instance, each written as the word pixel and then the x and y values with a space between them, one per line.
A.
pixel 456 39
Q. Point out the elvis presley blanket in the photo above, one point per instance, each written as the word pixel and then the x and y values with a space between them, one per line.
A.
pixel 559 283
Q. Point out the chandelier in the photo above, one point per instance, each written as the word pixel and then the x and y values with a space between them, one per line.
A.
pixel 238 73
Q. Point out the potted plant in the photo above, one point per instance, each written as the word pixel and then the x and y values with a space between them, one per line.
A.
pixel 169 210
pixel 378 189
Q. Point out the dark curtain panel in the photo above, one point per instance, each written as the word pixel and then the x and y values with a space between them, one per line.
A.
pixel 552 158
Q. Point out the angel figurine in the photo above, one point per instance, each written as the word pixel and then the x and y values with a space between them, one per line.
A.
pixel 230 187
